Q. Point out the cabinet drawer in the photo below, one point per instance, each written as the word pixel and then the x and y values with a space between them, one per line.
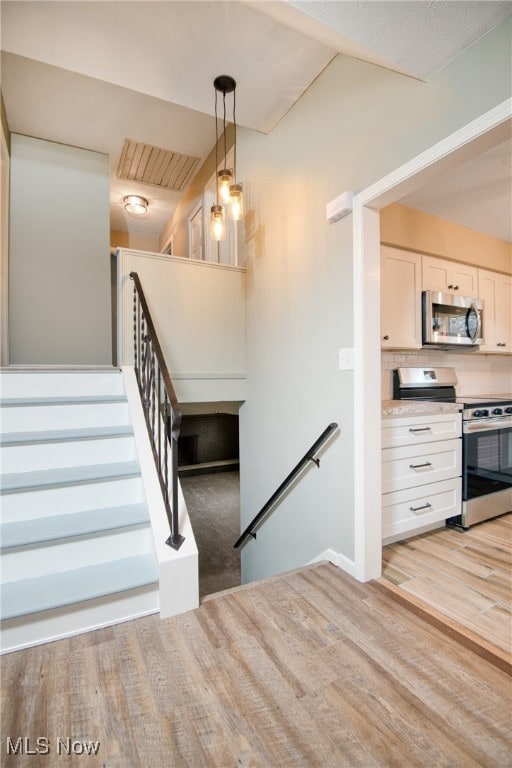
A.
pixel 404 511
pixel 420 429
pixel 427 463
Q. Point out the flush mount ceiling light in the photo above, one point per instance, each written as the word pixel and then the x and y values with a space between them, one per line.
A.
pixel 135 204
pixel 228 192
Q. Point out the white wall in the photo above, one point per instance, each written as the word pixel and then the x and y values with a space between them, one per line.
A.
pixel 199 314
pixel 354 125
pixel 59 259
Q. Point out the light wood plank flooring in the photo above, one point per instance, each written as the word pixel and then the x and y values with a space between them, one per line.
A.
pixel 463 578
pixel 308 669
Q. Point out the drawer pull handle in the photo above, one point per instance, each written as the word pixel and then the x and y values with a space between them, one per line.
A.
pixel 420 429
pixel 418 509
pixel 420 466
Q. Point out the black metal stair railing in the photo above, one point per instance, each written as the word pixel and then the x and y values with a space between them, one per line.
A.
pixel 161 407
pixel 291 477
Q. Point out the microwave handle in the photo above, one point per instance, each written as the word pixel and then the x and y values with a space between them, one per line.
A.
pixel 478 328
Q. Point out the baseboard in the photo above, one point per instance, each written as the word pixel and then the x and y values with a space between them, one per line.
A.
pixel 337 559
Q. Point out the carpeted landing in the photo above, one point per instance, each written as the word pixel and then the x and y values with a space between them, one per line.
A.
pixel 213 502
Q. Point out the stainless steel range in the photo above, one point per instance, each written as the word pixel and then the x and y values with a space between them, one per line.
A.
pixel 486 440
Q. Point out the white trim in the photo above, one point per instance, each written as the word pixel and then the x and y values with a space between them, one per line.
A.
pixel 209 376
pixel 175 567
pixel 4 249
pixel 180 259
pixel 168 247
pixel 487 130
pixel 337 559
pixel 198 208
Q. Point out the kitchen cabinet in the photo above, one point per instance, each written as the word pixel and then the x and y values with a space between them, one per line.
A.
pixel 421 471
pixel 495 290
pixel 400 299
pixel 449 277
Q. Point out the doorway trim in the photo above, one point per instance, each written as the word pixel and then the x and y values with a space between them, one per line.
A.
pixel 5 164
pixel 486 131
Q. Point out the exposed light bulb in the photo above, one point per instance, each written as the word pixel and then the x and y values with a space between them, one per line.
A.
pixel 236 208
pixel 217 223
pixel 224 181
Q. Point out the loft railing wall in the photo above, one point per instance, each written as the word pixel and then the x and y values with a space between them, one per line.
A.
pixel 160 404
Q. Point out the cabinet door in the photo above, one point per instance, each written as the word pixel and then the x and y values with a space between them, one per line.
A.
pixel 449 276
pixel 503 314
pixel 435 274
pixel 496 292
pixel 464 278
pixel 400 299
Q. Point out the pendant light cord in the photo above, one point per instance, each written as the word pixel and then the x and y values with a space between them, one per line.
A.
pixel 234 129
pixel 216 151
pixel 224 127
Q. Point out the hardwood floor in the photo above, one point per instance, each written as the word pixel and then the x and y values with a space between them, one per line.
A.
pixel 308 669
pixel 463 578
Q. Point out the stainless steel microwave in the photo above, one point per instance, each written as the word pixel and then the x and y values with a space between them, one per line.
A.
pixel 451 319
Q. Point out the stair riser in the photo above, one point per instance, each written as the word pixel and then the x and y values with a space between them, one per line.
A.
pixel 77 618
pixel 63 384
pixel 37 417
pixel 24 458
pixel 55 557
pixel 66 500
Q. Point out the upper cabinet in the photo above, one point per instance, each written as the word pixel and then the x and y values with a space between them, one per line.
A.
pixel 495 290
pixel 449 277
pixel 400 299
pixel 404 275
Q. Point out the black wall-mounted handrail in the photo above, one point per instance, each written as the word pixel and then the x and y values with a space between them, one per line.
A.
pixel 308 456
pixel 161 407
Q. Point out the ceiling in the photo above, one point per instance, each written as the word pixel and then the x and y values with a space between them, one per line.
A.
pixel 92 74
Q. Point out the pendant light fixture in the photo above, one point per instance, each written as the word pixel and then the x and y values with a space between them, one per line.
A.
pixel 228 193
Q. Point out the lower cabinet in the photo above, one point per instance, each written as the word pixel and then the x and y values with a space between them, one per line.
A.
pixel 421 471
pixel 404 511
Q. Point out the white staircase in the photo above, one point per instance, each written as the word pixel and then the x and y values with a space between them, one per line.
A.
pixel 77 549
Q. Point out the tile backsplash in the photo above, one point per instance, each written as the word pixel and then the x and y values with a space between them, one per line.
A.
pixel 476 374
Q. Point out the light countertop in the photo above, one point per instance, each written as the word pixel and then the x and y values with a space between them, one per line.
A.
pixel 392 408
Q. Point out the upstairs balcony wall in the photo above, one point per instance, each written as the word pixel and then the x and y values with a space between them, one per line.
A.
pixel 198 309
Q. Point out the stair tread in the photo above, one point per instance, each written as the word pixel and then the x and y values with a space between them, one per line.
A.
pixel 65 435
pixel 10 402
pixel 56 527
pixel 20 598
pixel 13 482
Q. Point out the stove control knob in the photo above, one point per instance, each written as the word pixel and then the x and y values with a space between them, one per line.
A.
pixel 497 411
pixel 508 409
pixel 479 414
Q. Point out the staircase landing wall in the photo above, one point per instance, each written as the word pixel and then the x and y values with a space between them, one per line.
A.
pixel 198 309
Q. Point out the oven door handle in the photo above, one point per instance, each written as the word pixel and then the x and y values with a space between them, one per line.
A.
pixel 486 425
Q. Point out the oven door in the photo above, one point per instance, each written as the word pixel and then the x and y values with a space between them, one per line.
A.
pixel 486 457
